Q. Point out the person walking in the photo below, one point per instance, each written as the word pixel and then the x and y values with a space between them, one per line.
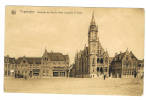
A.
pixel 135 74
pixel 104 76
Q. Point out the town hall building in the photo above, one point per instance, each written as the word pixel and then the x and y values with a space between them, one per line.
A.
pixel 93 61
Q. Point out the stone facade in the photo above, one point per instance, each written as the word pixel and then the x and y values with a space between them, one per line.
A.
pixel 28 67
pixel 51 64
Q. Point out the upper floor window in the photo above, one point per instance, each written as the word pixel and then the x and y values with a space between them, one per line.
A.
pixel 98 60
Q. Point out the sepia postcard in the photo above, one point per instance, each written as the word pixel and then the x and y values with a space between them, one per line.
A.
pixel 74 50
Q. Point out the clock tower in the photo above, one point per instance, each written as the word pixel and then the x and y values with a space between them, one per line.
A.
pixel 93 61
pixel 92 49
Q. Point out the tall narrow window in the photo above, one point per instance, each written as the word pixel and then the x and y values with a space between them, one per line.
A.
pixel 101 61
pixel 93 63
pixel 97 60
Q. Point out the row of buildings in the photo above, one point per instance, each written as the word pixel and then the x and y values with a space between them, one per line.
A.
pixel 91 62
pixel 51 64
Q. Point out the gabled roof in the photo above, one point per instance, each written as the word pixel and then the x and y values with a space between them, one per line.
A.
pixel 133 56
pixel 120 56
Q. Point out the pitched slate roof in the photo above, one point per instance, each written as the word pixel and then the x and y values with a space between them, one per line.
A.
pixel 57 57
pixel 30 60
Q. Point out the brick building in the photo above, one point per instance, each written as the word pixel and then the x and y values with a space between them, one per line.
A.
pixel 51 64
pixel 124 65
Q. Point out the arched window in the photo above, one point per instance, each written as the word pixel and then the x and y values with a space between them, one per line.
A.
pixel 98 60
pixel 101 60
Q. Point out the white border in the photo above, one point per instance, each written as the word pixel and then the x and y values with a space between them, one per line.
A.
pixel 75 3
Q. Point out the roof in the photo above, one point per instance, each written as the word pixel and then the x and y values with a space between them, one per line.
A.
pixel 57 56
pixel 30 60
pixel 133 56
pixel 120 56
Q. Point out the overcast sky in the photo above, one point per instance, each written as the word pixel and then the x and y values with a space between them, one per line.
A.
pixel 29 33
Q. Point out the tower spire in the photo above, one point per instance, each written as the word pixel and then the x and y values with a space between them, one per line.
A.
pixel 93 19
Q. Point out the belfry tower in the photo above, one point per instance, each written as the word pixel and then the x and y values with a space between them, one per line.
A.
pixel 97 57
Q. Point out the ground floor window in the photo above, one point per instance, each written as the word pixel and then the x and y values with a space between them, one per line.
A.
pixel 97 69
pixel 36 74
pixel 100 69
pixel 62 73
pixel 55 74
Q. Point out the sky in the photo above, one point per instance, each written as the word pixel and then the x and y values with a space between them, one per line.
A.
pixel 31 30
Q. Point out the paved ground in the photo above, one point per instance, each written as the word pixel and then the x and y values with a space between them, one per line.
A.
pixel 76 86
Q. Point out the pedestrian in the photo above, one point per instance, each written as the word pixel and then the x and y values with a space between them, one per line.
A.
pixel 104 76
